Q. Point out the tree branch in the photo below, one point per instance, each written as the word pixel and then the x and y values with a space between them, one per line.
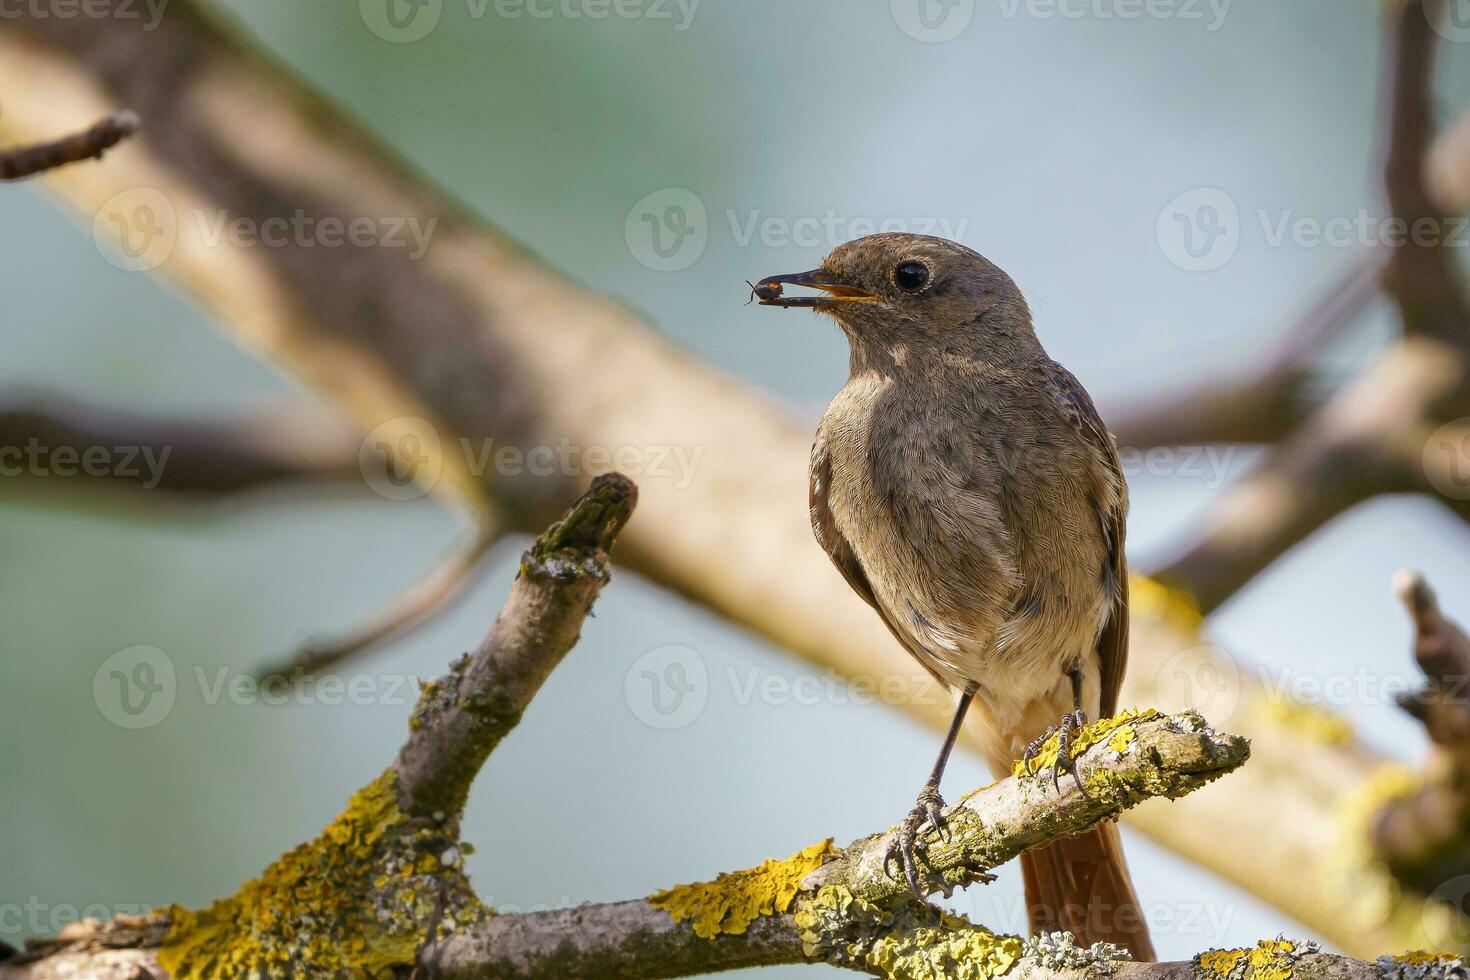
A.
pixel 1421 828
pixel 1368 439
pixel 44 437
pixel 90 144
pixel 1267 402
pixel 821 905
pixel 436 592
pixel 363 896
pixel 462 717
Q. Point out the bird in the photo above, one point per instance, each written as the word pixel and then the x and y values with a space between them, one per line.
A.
pixel 964 485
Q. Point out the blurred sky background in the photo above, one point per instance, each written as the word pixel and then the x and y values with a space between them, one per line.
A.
pixel 1052 144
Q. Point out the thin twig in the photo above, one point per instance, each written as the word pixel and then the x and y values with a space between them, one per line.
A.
pixel 437 592
pixel 27 161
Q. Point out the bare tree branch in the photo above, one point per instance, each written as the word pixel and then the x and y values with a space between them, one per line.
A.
pixel 1266 403
pixel 1422 277
pixel 90 144
pixel 48 438
pixel 1420 830
pixel 432 595
pixel 1368 439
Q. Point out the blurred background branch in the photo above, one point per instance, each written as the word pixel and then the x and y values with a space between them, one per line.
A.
pixel 456 340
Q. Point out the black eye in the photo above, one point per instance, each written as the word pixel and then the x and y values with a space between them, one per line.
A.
pixel 911 276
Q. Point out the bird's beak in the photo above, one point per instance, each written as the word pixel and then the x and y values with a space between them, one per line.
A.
pixel 768 290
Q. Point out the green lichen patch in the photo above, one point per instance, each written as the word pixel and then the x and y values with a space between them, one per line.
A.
pixel 1269 959
pixel 354 902
pixel 1116 731
pixel 734 900
pixel 911 941
pixel 1311 721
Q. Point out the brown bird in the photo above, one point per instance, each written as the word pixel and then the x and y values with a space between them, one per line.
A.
pixel 963 484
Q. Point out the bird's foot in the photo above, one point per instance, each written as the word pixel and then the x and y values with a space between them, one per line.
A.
pixel 1063 730
pixel 929 808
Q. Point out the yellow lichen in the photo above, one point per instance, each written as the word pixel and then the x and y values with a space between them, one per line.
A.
pixel 916 942
pixel 355 901
pixel 1221 962
pixel 1269 959
pixel 734 900
pixel 1310 720
pixel 1149 598
pixel 1423 957
pixel 1117 731
pixel 1355 863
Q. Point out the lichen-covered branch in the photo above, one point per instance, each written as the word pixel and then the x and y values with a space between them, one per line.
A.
pixel 364 896
pixel 840 906
pixel 461 717
pixel 90 144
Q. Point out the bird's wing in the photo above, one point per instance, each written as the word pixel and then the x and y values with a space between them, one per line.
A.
pixel 1110 495
pixel 824 526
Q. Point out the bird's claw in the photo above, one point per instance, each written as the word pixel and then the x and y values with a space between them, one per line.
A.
pixel 1063 730
pixel 929 808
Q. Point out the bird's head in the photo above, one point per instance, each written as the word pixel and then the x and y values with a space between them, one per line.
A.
pixel 892 291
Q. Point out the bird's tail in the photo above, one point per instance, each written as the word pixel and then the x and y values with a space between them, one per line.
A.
pixel 1081 885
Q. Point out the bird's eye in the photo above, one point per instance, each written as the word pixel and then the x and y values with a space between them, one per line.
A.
pixel 911 276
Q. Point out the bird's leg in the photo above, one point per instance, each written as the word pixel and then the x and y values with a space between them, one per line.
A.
pixel 928 808
pixel 1063 730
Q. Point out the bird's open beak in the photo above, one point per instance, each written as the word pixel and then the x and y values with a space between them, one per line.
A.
pixel 768 290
